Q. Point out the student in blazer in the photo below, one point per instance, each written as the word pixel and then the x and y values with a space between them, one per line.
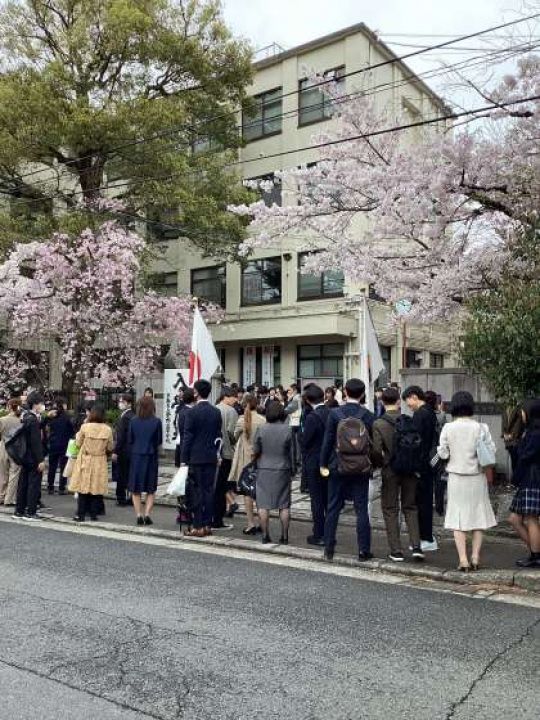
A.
pixel 202 436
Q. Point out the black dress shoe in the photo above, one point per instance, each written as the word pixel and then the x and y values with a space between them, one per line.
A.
pixel 533 561
pixel 78 518
pixel 148 520
pixel 328 554
pixel 312 540
pixel 365 556
pixel 283 540
pixel 266 539
pixel 140 520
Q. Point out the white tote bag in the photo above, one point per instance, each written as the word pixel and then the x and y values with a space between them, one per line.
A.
pixel 177 486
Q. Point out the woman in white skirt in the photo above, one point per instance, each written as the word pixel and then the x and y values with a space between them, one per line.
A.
pixel 468 507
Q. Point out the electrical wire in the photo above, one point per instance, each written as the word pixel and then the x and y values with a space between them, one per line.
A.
pixel 362 136
pixel 368 68
pixel 464 64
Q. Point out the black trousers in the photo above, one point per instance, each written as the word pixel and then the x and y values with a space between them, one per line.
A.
pixel 203 481
pixel 222 487
pixel 318 495
pixel 424 501
pixel 89 505
pixel 28 491
pixel 122 477
pixel 57 460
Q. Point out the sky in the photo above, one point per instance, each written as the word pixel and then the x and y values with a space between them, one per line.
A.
pixel 293 22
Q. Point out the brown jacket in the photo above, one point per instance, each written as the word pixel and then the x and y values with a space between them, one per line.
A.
pixel 91 473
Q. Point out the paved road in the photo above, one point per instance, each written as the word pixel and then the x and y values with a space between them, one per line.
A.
pixel 95 627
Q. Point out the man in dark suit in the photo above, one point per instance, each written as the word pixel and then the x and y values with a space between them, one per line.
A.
pixel 121 455
pixel 349 487
pixel 200 451
pixel 311 440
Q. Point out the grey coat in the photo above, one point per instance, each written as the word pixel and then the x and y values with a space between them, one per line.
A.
pixel 273 447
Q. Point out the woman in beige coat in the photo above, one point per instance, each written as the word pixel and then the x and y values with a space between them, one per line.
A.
pixel 9 471
pixel 90 478
pixel 244 433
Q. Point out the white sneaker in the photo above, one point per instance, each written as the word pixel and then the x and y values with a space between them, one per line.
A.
pixel 429 546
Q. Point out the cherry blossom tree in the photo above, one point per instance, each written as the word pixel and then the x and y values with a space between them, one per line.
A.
pixel 84 294
pixel 429 219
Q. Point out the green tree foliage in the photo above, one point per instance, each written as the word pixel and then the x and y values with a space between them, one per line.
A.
pixel 502 331
pixel 110 97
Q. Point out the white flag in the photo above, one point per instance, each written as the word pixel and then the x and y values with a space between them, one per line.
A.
pixel 371 362
pixel 203 358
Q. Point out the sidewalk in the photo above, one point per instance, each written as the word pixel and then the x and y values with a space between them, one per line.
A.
pixel 498 556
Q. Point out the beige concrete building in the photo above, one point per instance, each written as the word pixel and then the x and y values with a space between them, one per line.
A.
pixel 281 325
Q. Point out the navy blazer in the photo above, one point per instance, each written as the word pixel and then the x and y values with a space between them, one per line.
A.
pixel 145 435
pixel 202 430
pixel 121 446
pixel 328 452
pixel 312 436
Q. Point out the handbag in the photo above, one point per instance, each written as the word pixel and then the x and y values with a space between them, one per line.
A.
pixel 484 450
pixel 177 486
pixel 247 483
pixel 72 449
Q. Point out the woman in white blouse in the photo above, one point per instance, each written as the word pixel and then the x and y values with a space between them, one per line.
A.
pixel 468 507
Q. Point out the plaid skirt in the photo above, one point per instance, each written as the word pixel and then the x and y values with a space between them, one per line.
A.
pixel 526 501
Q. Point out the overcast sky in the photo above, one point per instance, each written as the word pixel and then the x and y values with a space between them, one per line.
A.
pixel 292 22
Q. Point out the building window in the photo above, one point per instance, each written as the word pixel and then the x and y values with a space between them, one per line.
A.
pixel 269 187
pixel 162 224
pixel 436 360
pixel 413 358
pixel 327 284
pixel 261 282
pixel 210 284
pixel 320 361
pixel 266 118
pixel 314 105
pixel 164 283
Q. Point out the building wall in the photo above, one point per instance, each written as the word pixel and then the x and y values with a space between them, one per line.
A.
pixel 294 322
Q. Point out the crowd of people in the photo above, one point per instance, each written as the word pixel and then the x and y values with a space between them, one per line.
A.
pixel 328 436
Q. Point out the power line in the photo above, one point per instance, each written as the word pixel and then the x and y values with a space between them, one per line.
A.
pixel 362 136
pixel 368 68
pixel 463 64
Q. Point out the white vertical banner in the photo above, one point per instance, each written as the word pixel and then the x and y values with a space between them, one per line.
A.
pixel 173 380
pixel 371 362
pixel 267 372
pixel 250 365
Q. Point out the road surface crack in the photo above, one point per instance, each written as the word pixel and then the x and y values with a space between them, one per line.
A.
pixel 486 669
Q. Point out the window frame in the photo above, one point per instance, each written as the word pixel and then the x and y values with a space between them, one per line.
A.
pixel 273 301
pixel 194 293
pixel 155 285
pixel 246 123
pixel 325 101
pixel 433 364
pixel 322 295
pixel 320 358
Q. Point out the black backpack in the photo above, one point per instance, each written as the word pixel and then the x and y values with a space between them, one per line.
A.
pixel 406 456
pixel 16 444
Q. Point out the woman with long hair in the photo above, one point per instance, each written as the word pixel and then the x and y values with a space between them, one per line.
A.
pixel 468 507
pixel 90 477
pixel 145 438
pixel 244 433
pixel 525 508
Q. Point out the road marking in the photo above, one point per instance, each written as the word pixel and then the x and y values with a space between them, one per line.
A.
pixel 356 573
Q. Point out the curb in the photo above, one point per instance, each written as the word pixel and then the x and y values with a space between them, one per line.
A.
pixel 488 579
